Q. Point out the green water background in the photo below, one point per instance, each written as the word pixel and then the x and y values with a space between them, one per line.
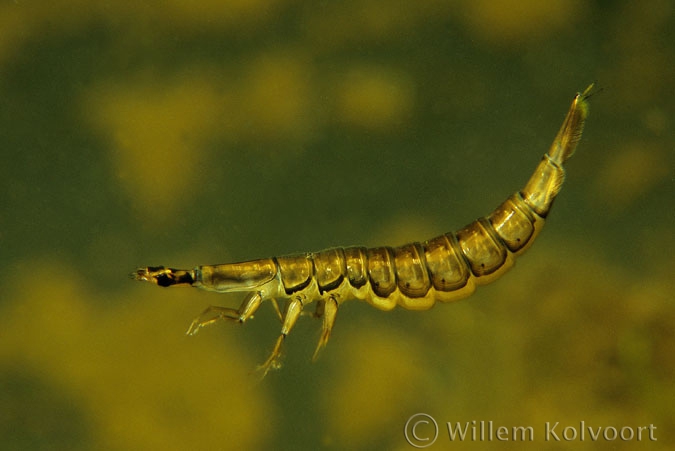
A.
pixel 176 134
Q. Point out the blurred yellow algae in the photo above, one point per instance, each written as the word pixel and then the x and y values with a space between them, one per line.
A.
pixel 370 391
pixel 276 97
pixel 629 174
pixel 505 22
pixel 338 24
pixel 374 97
pixel 656 120
pixel 158 129
pixel 358 20
pixel 141 382
pixel 13 29
pixel 21 20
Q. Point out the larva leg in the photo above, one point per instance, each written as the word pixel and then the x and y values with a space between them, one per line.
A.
pixel 329 312
pixel 318 311
pixel 293 311
pixel 275 304
pixel 215 313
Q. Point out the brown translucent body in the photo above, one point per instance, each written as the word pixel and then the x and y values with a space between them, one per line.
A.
pixel 414 276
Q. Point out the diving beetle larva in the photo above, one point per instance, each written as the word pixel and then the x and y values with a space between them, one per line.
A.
pixel 414 276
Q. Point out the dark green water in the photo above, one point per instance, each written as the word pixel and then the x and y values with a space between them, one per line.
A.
pixel 182 135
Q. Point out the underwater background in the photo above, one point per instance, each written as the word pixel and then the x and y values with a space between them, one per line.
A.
pixel 186 133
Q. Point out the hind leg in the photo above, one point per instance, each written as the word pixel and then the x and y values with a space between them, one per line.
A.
pixel 328 312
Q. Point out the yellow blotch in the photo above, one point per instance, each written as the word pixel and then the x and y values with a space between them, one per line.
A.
pixel 13 28
pixel 629 174
pixel 506 21
pixel 656 120
pixel 127 364
pixel 276 97
pixel 20 20
pixel 336 24
pixel 374 98
pixel 339 24
pixel 158 131
pixel 371 392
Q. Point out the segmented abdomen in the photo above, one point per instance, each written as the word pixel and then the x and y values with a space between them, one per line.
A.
pixel 416 275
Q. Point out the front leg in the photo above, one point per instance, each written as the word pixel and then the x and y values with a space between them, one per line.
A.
pixel 214 313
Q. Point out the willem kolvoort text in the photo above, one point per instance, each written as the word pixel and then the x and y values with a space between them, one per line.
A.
pixel 551 431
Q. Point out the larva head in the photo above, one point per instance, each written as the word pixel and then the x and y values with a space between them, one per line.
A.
pixel 164 277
